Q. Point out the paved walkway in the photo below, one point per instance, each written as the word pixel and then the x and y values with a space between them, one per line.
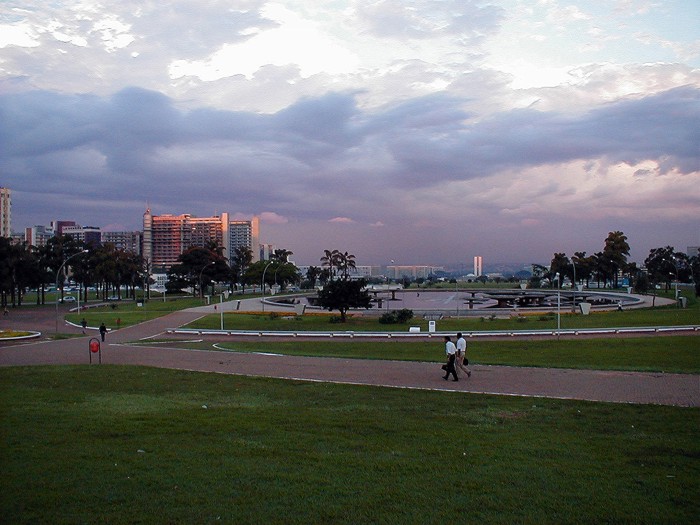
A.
pixel 618 387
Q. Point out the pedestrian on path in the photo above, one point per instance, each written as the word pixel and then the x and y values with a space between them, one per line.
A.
pixel 103 331
pixel 83 323
pixel 461 359
pixel 450 352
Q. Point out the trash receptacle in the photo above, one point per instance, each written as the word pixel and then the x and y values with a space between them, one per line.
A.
pixel 683 302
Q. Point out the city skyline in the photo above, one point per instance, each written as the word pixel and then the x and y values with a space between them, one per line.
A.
pixel 423 132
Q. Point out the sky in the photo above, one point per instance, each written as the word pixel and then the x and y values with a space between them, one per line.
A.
pixel 412 131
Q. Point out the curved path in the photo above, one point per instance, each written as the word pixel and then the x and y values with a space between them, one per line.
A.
pixel 610 386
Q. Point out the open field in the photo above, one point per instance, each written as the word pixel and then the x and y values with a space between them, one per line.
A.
pixel 118 444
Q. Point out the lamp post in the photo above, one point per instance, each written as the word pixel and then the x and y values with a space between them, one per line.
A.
pixel 263 284
pixel 558 303
pixel 675 265
pixel 57 274
pixel 277 269
pixel 221 313
pixel 387 285
pixel 201 291
pixel 573 308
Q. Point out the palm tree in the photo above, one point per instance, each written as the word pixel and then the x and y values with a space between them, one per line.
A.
pixel 329 261
pixel 346 262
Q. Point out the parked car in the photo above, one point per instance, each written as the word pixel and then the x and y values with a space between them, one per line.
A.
pixel 113 298
pixel 68 299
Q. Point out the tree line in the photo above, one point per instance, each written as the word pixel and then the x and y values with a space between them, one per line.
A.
pixel 662 266
pixel 110 270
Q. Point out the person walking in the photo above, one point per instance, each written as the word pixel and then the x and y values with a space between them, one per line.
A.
pixel 450 352
pixel 83 323
pixel 103 331
pixel 461 358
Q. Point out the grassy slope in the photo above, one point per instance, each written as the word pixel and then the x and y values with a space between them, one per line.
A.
pixel 132 445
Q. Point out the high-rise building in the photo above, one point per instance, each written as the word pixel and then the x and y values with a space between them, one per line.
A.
pixel 126 241
pixel 59 226
pixel 5 212
pixel 90 235
pixel 166 237
pixel 37 235
pixel 478 266
pixel 244 234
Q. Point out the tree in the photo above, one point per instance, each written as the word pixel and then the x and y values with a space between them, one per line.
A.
pixel 584 266
pixel 312 274
pixel 661 265
pixel 197 268
pixel 283 272
pixel 341 295
pixel 281 255
pixel 615 253
pixel 538 273
pixel 560 265
pixel 338 263
pixel 694 263
pixel 240 261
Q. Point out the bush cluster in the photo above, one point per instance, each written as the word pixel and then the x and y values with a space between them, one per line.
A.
pixel 396 316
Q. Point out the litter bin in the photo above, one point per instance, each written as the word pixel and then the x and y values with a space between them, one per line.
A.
pixel 683 302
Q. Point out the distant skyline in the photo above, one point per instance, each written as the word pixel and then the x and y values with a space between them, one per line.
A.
pixel 424 132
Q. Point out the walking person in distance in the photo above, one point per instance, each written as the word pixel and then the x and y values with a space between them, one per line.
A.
pixel 461 360
pixel 451 352
pixel 103 331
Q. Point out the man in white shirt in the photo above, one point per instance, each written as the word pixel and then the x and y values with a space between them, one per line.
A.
pixel 461 355
pixel 451 352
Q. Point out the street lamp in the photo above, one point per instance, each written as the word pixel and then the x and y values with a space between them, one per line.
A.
pixel 573 308
pixel 221 313
pixel 60 268
pixel 278 267
pixel 558 303
pixel 263 284
pixel 201 291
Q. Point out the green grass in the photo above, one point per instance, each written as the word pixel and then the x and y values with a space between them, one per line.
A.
pixel 129 313
pixel 106 444
pixel 672 354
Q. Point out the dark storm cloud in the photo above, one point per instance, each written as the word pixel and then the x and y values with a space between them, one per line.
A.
pixel 140 141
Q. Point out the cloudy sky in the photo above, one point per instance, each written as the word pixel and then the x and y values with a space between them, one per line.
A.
pixel 419 131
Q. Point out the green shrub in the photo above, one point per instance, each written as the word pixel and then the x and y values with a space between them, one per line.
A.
pixel 396 316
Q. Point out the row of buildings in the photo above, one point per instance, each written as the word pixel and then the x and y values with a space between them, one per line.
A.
pixel 165 237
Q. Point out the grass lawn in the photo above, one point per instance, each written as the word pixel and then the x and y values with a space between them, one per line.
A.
pixel 679 354
pixel 127 313
pixel 107 444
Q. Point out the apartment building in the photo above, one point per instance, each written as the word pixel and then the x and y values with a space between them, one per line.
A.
pixel 5 212
pixel 37 235
pixel 413 272
pixel 90 235
pixel 126 241
pixel 166 237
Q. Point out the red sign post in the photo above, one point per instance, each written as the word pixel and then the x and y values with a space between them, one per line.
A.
pixel 95 348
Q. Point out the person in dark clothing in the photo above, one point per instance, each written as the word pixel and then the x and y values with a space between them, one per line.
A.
pixel 103 331
pixel 451 352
